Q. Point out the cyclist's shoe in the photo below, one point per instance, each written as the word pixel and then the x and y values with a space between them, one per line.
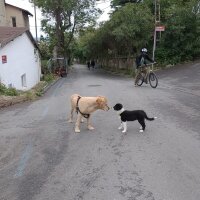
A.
pixel 146 81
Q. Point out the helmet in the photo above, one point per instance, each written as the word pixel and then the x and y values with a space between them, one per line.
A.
pixel 144 50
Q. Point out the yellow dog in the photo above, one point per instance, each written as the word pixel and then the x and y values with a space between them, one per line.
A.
pixel 84 106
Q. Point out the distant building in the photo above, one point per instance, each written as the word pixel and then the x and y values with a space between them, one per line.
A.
pixel 13 16
pixel 20 64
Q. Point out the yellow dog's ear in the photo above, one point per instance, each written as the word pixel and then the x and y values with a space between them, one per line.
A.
pixel 99 100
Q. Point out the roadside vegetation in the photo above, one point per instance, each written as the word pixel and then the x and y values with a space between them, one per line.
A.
pixel 73 31
pixel 131 27
pixel 8 91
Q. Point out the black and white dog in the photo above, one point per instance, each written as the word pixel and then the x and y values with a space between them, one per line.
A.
pixel 126 115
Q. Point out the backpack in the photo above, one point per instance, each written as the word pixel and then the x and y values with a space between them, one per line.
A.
pixel 138 61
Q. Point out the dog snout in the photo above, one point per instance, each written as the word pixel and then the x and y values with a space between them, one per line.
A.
pixel 106 108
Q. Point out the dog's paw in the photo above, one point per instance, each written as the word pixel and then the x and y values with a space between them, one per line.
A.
pixel 124 131
pixel 70 121
pixel 82 121
pixel 77 130
pixel 90 128
pixel 120 127
pixel 141 131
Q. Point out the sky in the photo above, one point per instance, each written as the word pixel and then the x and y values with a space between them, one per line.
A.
pixel 104 5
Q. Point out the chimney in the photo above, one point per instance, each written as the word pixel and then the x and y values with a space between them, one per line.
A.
pixel 2 13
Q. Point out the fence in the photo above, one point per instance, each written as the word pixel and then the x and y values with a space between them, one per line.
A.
pixel 116 63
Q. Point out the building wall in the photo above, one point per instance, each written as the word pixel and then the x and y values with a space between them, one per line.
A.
pixel 7 12
pixel 21 59
pixel 14 12
pixel 2 13
pixel 26 21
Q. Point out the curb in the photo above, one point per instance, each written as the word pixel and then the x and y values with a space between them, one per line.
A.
pixel 45 89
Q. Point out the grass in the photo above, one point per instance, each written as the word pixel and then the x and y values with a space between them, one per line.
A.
pixel 30 94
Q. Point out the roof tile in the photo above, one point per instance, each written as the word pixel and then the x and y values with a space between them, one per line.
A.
pixel 8 34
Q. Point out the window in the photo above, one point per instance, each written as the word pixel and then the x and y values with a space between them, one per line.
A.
pixel 23 79
pixel 14 22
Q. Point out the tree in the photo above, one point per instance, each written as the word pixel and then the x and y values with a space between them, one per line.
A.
pixel 131 27
pixel 65 16
pixel 181 40
pixel 128 29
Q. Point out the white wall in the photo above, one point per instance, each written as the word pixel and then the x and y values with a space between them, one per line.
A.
pixel 20 60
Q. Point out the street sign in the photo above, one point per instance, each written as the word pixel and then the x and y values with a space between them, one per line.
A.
pixel 160 28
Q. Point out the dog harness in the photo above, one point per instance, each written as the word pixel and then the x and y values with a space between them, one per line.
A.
pixel 78 110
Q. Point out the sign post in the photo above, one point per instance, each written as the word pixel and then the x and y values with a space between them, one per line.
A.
pixel 160 28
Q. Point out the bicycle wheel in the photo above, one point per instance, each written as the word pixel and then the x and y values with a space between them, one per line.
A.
pixel 153 80
pixel 140 80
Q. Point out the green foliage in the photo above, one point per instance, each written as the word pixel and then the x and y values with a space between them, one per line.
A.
pixel 8 91
pixel 11 92
pixel 39 93
pixel 45 50
pixel 2 89
pixel 62 18
pixel 48 78
pixel 131 27
pixel 181 40
pixel 44 67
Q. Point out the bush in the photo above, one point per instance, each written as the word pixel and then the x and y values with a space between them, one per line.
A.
pixel 11 92
pixel 2 89
pixel 48 78
pixel 44 66
pixel 8 91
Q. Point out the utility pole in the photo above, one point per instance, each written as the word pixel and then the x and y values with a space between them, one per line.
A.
pixel 157 22
pixel 35 22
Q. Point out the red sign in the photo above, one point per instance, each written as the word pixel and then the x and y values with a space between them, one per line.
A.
pixel 160 28
pixel 4 59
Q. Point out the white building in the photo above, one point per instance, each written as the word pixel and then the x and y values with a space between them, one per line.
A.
pixel 20 65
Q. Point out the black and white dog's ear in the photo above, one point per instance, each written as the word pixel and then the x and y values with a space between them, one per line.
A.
pixel 118 106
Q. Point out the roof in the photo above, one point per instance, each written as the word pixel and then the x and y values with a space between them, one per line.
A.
pixel 8 34
pixel 25 11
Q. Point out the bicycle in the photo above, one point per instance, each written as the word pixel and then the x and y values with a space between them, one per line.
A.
pixel 150 77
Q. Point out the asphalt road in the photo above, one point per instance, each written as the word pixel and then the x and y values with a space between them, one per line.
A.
pixel 41 158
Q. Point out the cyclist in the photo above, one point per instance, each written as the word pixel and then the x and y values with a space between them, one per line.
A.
pixel 141 62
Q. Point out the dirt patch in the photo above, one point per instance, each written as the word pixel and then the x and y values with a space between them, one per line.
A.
pixel 10 100
pixel 29 95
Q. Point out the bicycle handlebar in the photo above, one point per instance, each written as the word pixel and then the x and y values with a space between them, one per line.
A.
pixel 150 63
pixel 147 64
